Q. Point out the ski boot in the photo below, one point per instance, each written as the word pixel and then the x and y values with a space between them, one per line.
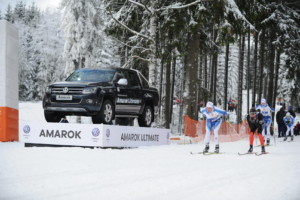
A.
pixel 268 141
pixel 292 137
pixel 250 149
pixel 285 138
pixel 217 149
pixel 206 148
pixel 263 149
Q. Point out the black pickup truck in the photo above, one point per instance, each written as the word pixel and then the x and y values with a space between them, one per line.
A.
pixel 103 94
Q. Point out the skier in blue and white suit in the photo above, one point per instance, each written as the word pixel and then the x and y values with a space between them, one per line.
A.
pixel 289 121
pixel 213 122
pixel 266 112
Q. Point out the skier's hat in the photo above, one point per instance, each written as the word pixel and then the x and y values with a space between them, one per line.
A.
pixel 252 110
pixel 263 101
pixel 209 104
pixel 288 114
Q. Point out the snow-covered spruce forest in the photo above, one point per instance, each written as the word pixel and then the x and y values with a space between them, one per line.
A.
pixel 194 50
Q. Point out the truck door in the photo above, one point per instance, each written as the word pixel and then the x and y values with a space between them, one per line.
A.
pixel 129 98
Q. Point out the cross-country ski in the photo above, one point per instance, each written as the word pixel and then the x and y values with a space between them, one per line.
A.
pixel 259 154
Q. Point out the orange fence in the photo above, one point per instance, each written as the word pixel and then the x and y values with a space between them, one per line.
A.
pixel 227 132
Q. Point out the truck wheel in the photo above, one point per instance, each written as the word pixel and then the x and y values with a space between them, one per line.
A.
pixel 53 116
pixel 106 113
pixel 147 117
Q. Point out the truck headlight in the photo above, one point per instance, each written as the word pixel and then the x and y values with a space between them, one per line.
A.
pixel 48 90
pixel 90 90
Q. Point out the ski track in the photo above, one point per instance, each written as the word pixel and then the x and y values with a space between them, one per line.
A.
pixel 147 173
pixel 166 172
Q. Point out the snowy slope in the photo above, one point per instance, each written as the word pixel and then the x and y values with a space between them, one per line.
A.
pixel 165 172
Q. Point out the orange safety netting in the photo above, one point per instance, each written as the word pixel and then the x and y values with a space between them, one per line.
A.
pixel 227 132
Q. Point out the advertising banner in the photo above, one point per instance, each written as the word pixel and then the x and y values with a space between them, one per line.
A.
pixel 128 136
pixel 61 134
pixel 91 135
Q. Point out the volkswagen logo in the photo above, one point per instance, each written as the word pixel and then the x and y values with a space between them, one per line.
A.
pixel 65 90
pixel 107 132
pixel 96 132
pixel 26 129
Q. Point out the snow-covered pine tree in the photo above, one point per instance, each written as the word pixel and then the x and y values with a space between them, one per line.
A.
pixel 50 41
pixel 19 11
pixel 32 15
pixel 9 14
pixel 81 22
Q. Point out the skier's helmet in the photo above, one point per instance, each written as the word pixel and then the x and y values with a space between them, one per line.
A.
pixel 209 104
pixel 252 111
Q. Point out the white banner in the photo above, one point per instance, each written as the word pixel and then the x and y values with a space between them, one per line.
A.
pixel 91 135
pixel 128 136
pixel 61 134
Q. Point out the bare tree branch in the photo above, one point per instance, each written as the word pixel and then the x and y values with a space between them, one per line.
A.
pixel 129 29
pixel 141 5
pixel 135 47
pixel 184 6
pixel 140 58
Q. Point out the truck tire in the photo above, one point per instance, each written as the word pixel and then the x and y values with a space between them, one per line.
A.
pixel 106 113
pixel 147 117
pixel 53 116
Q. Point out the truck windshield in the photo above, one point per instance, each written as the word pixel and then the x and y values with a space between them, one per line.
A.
pixel 92 76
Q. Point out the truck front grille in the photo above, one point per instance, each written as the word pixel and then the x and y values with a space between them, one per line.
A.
pixel 71 90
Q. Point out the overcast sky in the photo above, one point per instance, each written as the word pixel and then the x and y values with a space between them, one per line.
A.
pixel 42 4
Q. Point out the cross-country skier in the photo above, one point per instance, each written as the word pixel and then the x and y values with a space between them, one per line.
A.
pixel 213 122
pixel 266 112
pixel 255 121
pixel 289 121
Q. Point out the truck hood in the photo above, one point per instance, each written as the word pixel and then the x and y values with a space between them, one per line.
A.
pixel 77 84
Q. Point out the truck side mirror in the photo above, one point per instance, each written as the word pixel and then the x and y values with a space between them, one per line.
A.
pixel 123 82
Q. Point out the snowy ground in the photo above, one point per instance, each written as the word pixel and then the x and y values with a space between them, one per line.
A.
pixel 147 173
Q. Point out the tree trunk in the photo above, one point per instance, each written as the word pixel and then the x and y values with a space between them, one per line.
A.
pixel 215 77
pixel 205 72
pixel 212 75
pixel 182 110
pixel 205 79
pixel 214 65
pixel 240 85
pixel 191 74
pixel 262 62
pixel 168 88
pixel 173 83
pixel 162 62
pixel 271 69
pixel 248 73
pixel 200 80
pixel 226 76
pixel 152 55
pixel 255 70
pixel 276 77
